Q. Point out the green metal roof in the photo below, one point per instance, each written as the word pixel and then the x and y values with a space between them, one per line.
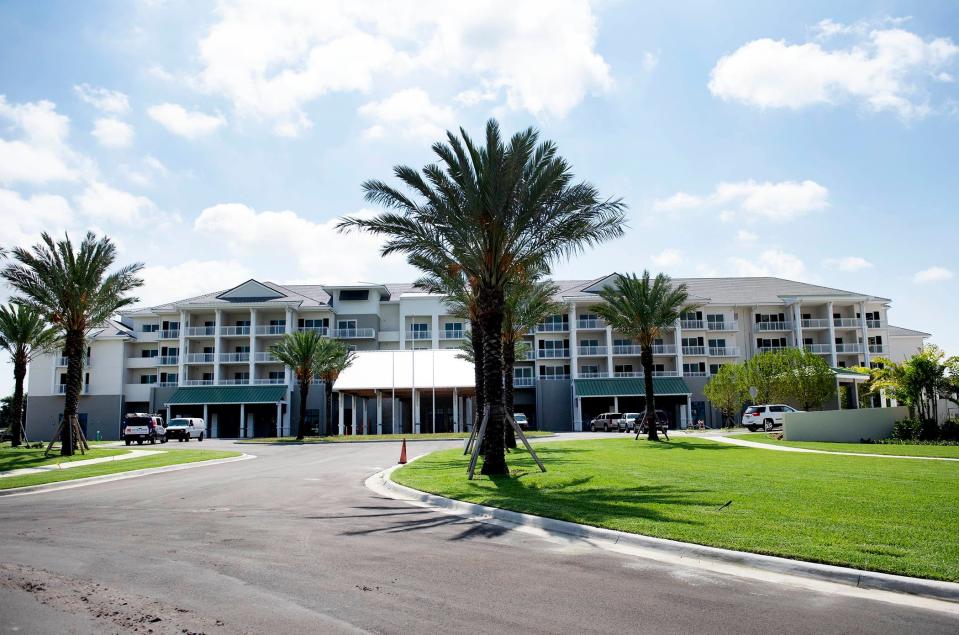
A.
pixel 629 387
pixel 228 394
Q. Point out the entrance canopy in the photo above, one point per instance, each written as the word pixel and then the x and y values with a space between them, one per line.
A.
pixel 406 370
pixel 630 387
pixel 847 374
pixel 199 395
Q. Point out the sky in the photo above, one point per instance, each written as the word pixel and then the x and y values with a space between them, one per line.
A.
pixel 219 141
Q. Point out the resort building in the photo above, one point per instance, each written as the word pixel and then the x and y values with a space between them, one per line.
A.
pixel 210 356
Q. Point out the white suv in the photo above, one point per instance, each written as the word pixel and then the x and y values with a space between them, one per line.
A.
pixel 766 417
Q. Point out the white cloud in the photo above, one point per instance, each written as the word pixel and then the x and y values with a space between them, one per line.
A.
pixel 189 124
pixel 783 201
pixel 771 262
pixel 650 60
pixel 113 133
pixel 109 101
pixel 25 218
pixel 145 174
pixel 189 278
pixel 41 153
pixel 882 68
pixel 746 236
pixel 933 274
pixel 667 258
pixel 272 59
pixel 102 202
pixel 409 113
pixel 849 263
pixel 317 248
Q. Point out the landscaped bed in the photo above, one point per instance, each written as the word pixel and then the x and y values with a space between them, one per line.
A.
pixel 890 515
pixel 360 438
pixel 900 449
pixel 158 459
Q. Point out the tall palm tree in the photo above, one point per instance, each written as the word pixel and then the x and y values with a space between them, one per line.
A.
pixel 642 308
pixel 23 334
pixel 337 357
pixel 300 350
pixel 495 210
pixel 74 291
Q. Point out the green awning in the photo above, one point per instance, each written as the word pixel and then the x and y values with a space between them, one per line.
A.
pixel 629 387
pixel 228 394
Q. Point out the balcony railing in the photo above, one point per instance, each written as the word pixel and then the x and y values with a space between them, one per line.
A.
pixel 552 353
pixel 554 376
pixel 818 348
pixel 732 325
pixel 598 374
pixel 169 360
pixel 452 334
pixel 62 361
pixel 62 389
pixel 235 382
pixel 170 334
pixel 874 324
pixel 846 322
pixel 630 349
pixel 234 358
pixel 590 323
pixel 197 382
pixel 878 349
pixel 774 326
pixel 591 350
pixel 666 373
pixel 200 331
pixel 419 335
pixel 664 349
pixel 814 323
pixel 528 356
pixel 724 351
pixel 849 348
pixel 628 373
pixel 269 380
pixel 694 350
pixel 167 384
pixel 552 327
pixel 353 334
pixel 522 382
pixel 766 349
pixel 322 330
pixel 228 331
pixel 264 357
pixel 695 373
pixel 692 324
pixel 200 358
pixel 271 329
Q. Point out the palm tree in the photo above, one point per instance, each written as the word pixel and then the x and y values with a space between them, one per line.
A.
pixel 336 357
pixel 74 292
pixel 23 334
pixel 300 350
pixel 495 210
pixel 642 308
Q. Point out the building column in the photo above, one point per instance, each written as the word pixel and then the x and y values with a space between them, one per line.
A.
pixel 609 359
pixel 417 410
pixel 379 412
pixel 169 416
pixel 252 370
pixel 832 337
pixel 217 344
pixel 866 355
pixel 279 419
pixel 340 399
pixel 689 410
pixel 456 411
pixel 853 395
pixel 678 343
pixel 206 413
pixel 435 332
pixel 797 324
pixel 615 404
pixel 242 421
pixel 573 344
pixel 354 410
pixel 181 366
pixel 366 420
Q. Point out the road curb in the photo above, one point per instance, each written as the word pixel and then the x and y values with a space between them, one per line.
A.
pixel 119 476
pixel 691 553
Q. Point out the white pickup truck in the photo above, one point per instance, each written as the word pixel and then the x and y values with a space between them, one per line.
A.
pixel 141 427
pixel 184 429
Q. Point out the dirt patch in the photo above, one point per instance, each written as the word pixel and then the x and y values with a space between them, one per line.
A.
pixel 126 611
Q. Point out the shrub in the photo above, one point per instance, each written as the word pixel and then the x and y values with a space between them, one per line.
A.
pixel 906 430
pixel 950 430
pixel 929 430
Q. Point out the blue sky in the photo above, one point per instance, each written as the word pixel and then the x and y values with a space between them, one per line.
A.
pixel 220 141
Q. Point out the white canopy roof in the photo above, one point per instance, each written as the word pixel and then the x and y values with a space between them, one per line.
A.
pixel 386 370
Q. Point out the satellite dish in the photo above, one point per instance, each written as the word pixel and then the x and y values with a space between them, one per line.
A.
pixel 753 391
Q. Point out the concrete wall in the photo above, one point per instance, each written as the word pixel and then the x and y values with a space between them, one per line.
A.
pixel 844 426
pixel 554 408
pixel 103 413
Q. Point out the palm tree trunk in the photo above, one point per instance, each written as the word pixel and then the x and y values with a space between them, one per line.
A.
pixel 490 303
pixel 509 360
pixel 646 358
pixel 75 344
pixel 328 407
pixel 476 339
pixel 16 427
pixel 301 419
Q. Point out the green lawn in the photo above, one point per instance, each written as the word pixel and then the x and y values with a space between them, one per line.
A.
pixel 170 457
pixel 17 458
pixel 359 438
pixel 870 513
pixel 944 451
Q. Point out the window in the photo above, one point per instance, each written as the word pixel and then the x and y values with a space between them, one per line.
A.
pixel 589 369
pixel 622 342
pixel 842 364
pixel 714 368
pixel 346 325
pixel 692 341
pixel 418 327
pixel 281 322
pixel 589 343
pixel 807 316
pixel 168 378
pixel 692 315
pixel 525 372
pixel 553 345
pixel 776 409
pixel 659 368
pixel 715 319
pixel 557 321
pixel 875 340
pixel 207 376
pixel 152 352
pixel 242 323
pixel 169 325
pixel 148 379
pixel 588 317
pixel 807 341
pixel 169 351
pixel 150 328
pixel 717 343
pixel 245 376
pixel 554 372
pixel 658 342
pixel 624 368
pixel 453 329
pixel 770 317
pixel 209 323
pixel 242 349
pixel 314 323
pixel 277 374
pixel 695 368
pixel 354 295
pixel 771 343
pixel 208 350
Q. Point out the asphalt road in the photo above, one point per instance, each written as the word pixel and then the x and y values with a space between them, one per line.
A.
pixel 292 542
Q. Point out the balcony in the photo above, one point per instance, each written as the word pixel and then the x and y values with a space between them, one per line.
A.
pixel 590 351
pixel 522 382
pixel 878 349
pixel 631 349
pixel 695 373
pixel 261 381
pixel 142 362
pixel 814 323
pixel 666 373
pixel 818 348
pixel 452 334
pixel 846 323
pixel 724 351
pixel 552 327
pixel 774 326
pixel 62 361
pixel 197 382
pixel 553 353
pixel 234 358
pixel 695 325
pixel 664 349
pixel 62 389
pixel 628 373
pixel 199 358
pixel 598 374
pixel 322 330
pixel 200 331
pixel 874 324
pixel 235 382
pixel 419 335
pixel 167 384
pixel 271 329
pixel 766 349
pixel 722 326
pixel 556 376
pixel 849 348
pixel 694 350
pixel 590 323
pixel 264 357
pixel 353 334
pixel 170 334
pixel 233 331
pixel 169 360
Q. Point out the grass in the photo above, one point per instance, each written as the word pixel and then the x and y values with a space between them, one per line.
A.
pixel 900 449
pixel 870 513
pixel 360 438
pixel 17 458
pixel 160 459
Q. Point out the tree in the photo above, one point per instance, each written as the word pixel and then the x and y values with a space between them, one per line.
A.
pixel 300 351
pixel 917 382
pixel 764 373
pixel 495 211
pixel 642 308
pixel 727 391
pixel 336 357
pixel 74 292
pixel 23 334
pixel 805 379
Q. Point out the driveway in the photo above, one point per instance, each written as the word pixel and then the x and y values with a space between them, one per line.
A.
pixel 293 542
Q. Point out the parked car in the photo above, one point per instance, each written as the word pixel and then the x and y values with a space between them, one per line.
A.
pixel 768 417
pixel 521 420
pixel 184 429
pixel 5 435
pixel 142 427
pixel 606 422
pixel 628 422
pixel 662 423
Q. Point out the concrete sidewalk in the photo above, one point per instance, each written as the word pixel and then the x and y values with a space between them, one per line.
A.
pixel 132 454
pixel 786 448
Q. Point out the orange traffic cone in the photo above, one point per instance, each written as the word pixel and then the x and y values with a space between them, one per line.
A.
pixel 403 453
